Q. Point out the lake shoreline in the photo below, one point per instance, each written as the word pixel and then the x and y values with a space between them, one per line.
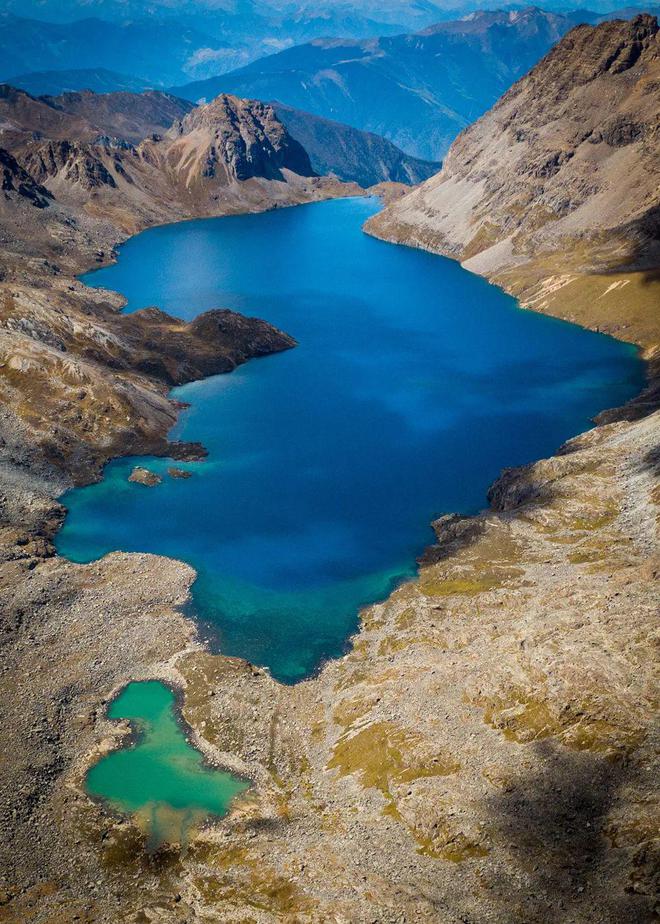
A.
pixel 325 332
pixel 187 665
pixel 112 789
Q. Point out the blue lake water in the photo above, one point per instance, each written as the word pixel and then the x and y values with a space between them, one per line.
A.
pixel 413 385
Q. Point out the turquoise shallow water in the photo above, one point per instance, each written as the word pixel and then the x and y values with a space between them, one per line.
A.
pixel 161 779
pixel 413 384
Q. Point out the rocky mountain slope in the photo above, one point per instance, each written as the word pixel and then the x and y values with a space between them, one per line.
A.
pixel 418 90
pixel 84 115
pixel 22 116
pixel 109 120
pixel 81 383
pixel 555 193
pixel 67 196
pixel 18 187
pixel 126 115
pixel 230 154
pixel 352 155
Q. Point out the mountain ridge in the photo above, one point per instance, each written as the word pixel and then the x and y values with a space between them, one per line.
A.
pixel 350 154
pixel 98 80
pixel 84 115
pixel 555 193
pixel 171 45
pixel 418 90
pixel 117 117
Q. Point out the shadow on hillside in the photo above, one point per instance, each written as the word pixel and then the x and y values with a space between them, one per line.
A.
pixel 561 868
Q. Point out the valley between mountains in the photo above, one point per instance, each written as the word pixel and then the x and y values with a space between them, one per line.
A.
pixel 486 750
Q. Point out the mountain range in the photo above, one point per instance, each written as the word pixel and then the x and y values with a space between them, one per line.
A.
pixel 243 15
pixel 419 90
pixel 120 120
pixel 169 43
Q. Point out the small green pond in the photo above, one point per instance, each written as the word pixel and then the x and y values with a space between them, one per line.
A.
pixel 161 780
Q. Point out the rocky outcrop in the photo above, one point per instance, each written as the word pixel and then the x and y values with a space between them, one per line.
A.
pixel 74 163
pixel 17 182
pixel 554 193
pixel 234 139
pixel 180 473
pixel 144 476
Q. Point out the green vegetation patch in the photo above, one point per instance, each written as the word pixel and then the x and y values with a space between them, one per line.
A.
pixel 383 755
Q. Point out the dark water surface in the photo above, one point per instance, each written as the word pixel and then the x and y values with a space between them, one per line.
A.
pixel 414 383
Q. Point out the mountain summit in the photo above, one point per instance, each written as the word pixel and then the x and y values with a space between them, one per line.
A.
pixel 230 153
pixel 234 139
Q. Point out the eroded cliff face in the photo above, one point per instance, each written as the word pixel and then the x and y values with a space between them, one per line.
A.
pixel 239 138
pixel 485 752
pixel 18 185
pixel 554 193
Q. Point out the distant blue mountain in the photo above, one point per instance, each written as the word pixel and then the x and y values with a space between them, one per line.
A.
pixel 99 80
pixel 251 17
pixel 157 51
pixel 351 154
pixel 173 42
pixel 419 90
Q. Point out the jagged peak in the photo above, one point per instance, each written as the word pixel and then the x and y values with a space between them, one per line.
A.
pixel 587 52
pixel 241 137
pixel 224 109
pixel 483 20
